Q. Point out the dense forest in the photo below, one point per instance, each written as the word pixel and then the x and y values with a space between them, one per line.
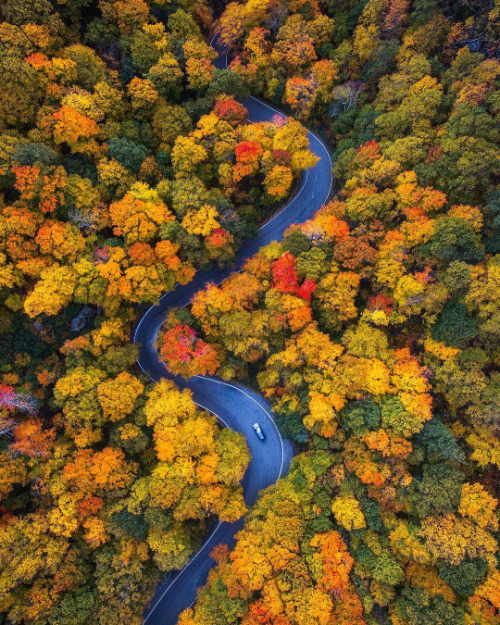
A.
pixel 127 163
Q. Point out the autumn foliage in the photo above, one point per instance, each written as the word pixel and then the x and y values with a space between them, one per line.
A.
pixel 127 162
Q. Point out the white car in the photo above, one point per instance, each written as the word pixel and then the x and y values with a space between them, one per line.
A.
pixel 258 431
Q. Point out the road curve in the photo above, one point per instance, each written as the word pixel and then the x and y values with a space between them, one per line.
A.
pixel 235 406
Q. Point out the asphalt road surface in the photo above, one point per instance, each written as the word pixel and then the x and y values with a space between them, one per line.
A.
pixel 236 406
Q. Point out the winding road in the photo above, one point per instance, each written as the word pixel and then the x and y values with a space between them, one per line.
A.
pixel 235 406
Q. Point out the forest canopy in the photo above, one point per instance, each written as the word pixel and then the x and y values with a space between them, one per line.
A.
pixel 128 163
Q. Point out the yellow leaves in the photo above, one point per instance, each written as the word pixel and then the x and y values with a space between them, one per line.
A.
pixel 168 404
pixel 428 578
pixel 187 155
pixel 129 432
pixel 172 548
pixel 292 137
pixel 232 23
pixel 418 231
pixel 408 294
pixel 486 447
pixel 278 181
pixel 83 102
pixel 314 606
pixel 200 467
pixel 322 413
pixel 227 503
pixel 110 332
pixel 407 545
pixel 202 221
pixel 471 214
pixel 139 213
pixel 374 376
pixel 336 294
pixel 214 130
pixel 479 506
pixel 316 347
pixel 13 471
pixel 209 304
pixel 365 41
pixel 8 274
pixel 113 174
pixel 142 93
pixel 200 72
pixel 53 291
pixel 95 532
pixel 440 350
pixel 482 296
pixel 453 539
pixel 250 564
pixel 348 513
pixel 117 397
pixel 76 382
pixel 168 480
pixel 63 520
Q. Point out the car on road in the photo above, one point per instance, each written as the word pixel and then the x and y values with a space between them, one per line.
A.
pixel 258 431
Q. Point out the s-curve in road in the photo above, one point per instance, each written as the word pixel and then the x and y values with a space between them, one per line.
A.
pixel 235 406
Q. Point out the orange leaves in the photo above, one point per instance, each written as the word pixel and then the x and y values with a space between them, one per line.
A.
pixel 231 111
pixel 248 155
pixel 299 95
pixel 332 227
pixel 97 472
pixel 410 195
pixel 32 440
pixel 142 254
pixel 388 444
pixel 360 461
pixel 76 129
pixel 26 179
pixel 335 561
pixel 302 94
pixel 294 54
pixel 166 251
pixel 42 188
pixel 299 315
pixel 62 240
